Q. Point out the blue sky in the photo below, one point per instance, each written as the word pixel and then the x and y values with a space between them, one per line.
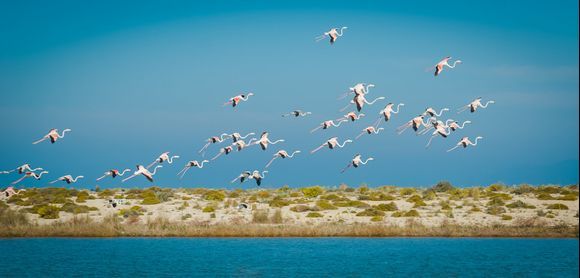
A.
pixel 136 78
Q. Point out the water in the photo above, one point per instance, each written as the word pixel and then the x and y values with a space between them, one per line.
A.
pixel 288 257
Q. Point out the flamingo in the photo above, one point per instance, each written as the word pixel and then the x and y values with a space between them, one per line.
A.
pixel 192 163
pixel 113 173
pixel 240 144
pixel 331 144
pixel 360 101
pixel 245 175
pixel 352 116
pixel 10 192
pixel 215 140
pixel 237 99
pixel 68 179
pixel 415 123
pixel 474 105
pixel 226 150
pixel 297 113
pixel 264 141
pixel 328 124
pixel 258 177
pixel 162 158
pixel 464 142
pixel 358 89
pixel 454 125
pixel 281 154
pixel 387 112
pixel 22 169
pixel 332 33
pixel 356 162
pixel 53 135
pixel 30 174
pixel 439 131
pixel 443 63
pixel 369 130
pixel 432 113
pixel 236 136
pixel 435 123
pixel 145 172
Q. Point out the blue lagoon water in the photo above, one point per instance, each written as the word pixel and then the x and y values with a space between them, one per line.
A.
pixel 288 257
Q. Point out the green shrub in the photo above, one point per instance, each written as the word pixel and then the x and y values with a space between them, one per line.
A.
pixel 411 213
pixel 495 210
pixel 332 197
pixel 260 216
pixel 76 209
pixel 520 204
pixel 377 218
pixel 278 202
pixel 314 215
pixel 208 209
pixel 445 205
pixel 214 195
pixel 300 208
pixel 568 197
pixel 457 194
pixel 429 195
pixel 524 189
pixel 549 189
pixel 503 196
pixel 387 207
pixel 10 217
pixel 186 216
pixel 474 193
pixel 82 197
pixel 134 211
pixel 183 206
pixel 325 205
pixel 407 191
pixel 506 217
pixel 152 200
pixel 48 212
pixel 351 203
pixel 417 200
pixel 557 206
pixel 496 187
pixel 496 202
pixel 277 217
pixel 475 209
pixel 379 196
pixel 370 212
pixel 312 192
pixel 544 196
pixel 363 189
pixel 442 186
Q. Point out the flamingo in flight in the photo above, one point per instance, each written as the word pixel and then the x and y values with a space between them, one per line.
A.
pixel 234 101
pixel 435 123
pixel 190 164
pixel 264 141
pixel 440 130
pixel 369 130
pixel 145 172
pixel 432 113
pixel 30 175
pixel 387 112
pixel 68 179
pixel 244 176
pixel 358 89
pixel 162 158
pixel 113 173
pixel 415 123
pixel 454 125
pixel 352 116
pixel 225 150
pixel 10 192
pixel 281 154
pixel 215 140
pixel 328 124
pixel 297 113
pixel 332 33
pixel 476 103
pixel 22 169
pixel 464 142
pixel 356 162
pixel 258 177
pixel 53 135
pixel 237 136
pixel 241 144
pixel 331 144
pixel 445 63
pixel 360 101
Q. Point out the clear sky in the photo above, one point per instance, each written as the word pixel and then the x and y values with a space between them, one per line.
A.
pixel 136 78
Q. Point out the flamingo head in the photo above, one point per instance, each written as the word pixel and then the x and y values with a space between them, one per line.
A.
pixel 479 137
pixel 250 94
pixel 205 161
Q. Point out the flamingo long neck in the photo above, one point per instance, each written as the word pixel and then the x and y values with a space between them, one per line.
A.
pixel 124 171
pixel 368 87
pixel 372 102
pixel 155 170
pixel 463 124
pixel 275 142
pixel 170 160
pixel 475 143
pixel 63 132
pixel 75 179
pixel 40 174
pixel 244 137
pixel 486 104
pixel 454 63
pixel 245 98
pixel 201 164
pixel 398 109
pixel 336 125
pixel 343 144
pixel 292 155
pixel 341 30
pixel 365 162
pixel 440 113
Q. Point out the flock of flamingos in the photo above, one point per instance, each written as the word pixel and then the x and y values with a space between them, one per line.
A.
pixel 423 123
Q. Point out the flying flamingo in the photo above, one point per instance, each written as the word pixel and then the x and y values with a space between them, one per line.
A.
pixel 22 169
pixel 68 179
pixel 297 113
pixel 474 105
pixel 369 130
pixel 240 144
pixel 237 99
pixel 236 136
pixel 333 34
pixel 356 162
pixel 281 154
pixel 387 112
pixel 464 142
pixel 214 140
pixel 162 158
pixel 358 89
pixel 258 177
pixel 432 113
pixel 443 63
pixel 30 174
pixel 352 116
pixel 192 163
pixel 435 123
pixel 360 101
pixel 328 124
pixel 331 144
pixel 53 135
pixel 439 131
pixel 226 150
pixel 245 175
pixel 145 172
pixel 454 125
pixel 415 123
pixel 113 173
pixel 10 192
pixel 264 141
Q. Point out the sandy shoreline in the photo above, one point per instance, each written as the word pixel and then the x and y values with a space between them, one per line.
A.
pixel 494 211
